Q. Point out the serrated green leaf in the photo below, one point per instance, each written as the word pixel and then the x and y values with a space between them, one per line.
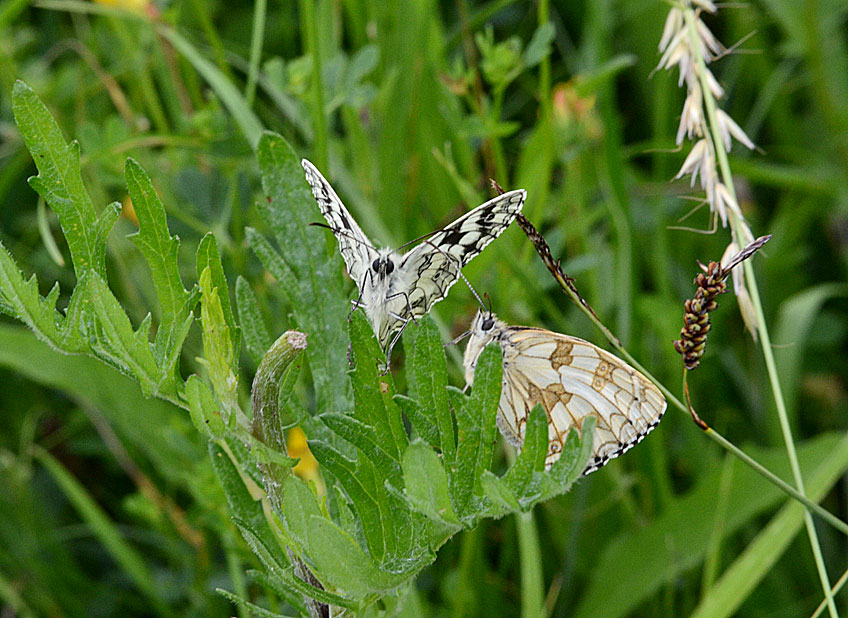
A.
pixel 524 476
pixel 429 370
pixel 501 496
pixel 360 486
pixel 426 483
pixel 60 184
pixel 203 408
pixel 427 430
pixel 20 299
pixel 257 339
pixel 373 392
pixel 338 558
pixel 160 250
pixel 365 439
pixel 217 346
pixel 208 256
pixel 476 428
pixel 299 505
pixel 312 277
pixel 254 609
pixel 114 340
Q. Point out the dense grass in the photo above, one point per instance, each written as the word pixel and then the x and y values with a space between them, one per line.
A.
pixel 416 110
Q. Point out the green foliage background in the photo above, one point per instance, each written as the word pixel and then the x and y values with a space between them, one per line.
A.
pixel 110 503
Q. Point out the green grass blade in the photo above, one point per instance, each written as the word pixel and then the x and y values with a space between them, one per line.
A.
pixel 105 530
pixel 746 572
pixel 239 108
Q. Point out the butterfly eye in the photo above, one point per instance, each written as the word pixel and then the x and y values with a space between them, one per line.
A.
pixel 389 266
pixel 375 265
pixel 487 324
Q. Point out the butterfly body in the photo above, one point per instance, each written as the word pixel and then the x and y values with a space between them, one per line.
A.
pixel 396 288
pixel 571 379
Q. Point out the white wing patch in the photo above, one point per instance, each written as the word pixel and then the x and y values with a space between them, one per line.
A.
pixel 357 251
pixel 571 379
pixel 434 265
pixel 394 288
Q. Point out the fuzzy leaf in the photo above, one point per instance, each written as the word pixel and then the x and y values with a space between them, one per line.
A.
pixel 257 339
pixel 60 184
pixel 429 372
pixel 203 408
pixel 309 273
pixel 427 483
pixel 160 250
pixel 114 340
pixel 20 299
pixel 475 423
pixel 208 257
pixel 217 345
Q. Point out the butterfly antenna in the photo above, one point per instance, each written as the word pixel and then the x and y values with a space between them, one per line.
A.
pixel 420 238
pixel 341 232
pixel 488 300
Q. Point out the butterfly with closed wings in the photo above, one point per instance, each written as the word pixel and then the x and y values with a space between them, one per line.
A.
pixel 571 379
pixel 396 288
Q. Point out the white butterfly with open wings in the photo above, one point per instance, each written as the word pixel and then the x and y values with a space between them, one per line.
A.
pixel 571 379
pixel 396 288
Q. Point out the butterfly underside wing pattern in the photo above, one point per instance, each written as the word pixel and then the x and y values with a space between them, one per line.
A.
pixel 571 379
pixel 396 288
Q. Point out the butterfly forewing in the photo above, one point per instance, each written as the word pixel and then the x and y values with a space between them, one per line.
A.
pixel 393 288
pixel 434 265
pixel 357 251
pixel 571 379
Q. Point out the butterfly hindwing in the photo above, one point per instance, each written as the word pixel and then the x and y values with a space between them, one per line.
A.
pixel 571 379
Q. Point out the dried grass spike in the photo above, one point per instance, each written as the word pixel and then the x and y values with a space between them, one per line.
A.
pixel 696 315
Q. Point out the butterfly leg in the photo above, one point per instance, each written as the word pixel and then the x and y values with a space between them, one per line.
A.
pixel 358 304
pixel 393 342
pixel 408 307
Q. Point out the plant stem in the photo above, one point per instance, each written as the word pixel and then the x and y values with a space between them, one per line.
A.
pixel 532 580
pixel 737 226
pixel 256 39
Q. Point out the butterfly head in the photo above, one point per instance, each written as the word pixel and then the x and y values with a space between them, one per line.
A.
pixel 384 264
pixel 484 329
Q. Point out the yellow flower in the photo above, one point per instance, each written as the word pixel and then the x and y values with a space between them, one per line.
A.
pixel 136 6
pixel 307 467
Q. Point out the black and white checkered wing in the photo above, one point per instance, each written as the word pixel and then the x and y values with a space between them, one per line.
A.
pixel 433 266
pixel 356 249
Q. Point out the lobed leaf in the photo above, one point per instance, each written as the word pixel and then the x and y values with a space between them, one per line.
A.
pixel 428 369
pixel 257 339
pixel 475 422
pixel 208 257
pixel 309 274
pixel 60 184
pixel 160 250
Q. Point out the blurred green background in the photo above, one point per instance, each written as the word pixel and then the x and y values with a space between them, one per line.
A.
pixel 419 103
